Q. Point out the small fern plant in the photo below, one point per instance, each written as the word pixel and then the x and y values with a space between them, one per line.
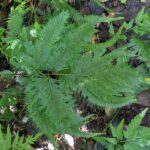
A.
pixel 8 141
pixel 135 137
pixel 58 58
pixel 140 42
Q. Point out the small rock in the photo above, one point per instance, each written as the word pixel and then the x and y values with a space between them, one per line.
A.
pixel 50 146
pixel 84 128
pixel 25 119
pixel 70 140
pixel 12 108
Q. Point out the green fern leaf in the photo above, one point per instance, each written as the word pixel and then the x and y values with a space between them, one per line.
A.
pixel 140 42
pixel 18 143
pixel 8 138
pixel 143 49
pixel 52 31
pixel 142 23
pixel 101 47
pixel 90 76
pixel 63 50
pixel 16 20
pixel 143 138
pixel 92 19
pixel 55 109
pixel 134 125
pixel 118 131
pixel 62 5
pixel 69 49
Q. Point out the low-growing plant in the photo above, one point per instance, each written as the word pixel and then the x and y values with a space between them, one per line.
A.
pixel 15 142
pixel 140 42
pixel 8 96
pixel 58 58
pixel 134 137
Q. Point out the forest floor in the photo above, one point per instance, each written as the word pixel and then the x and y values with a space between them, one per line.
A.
pixel 100 121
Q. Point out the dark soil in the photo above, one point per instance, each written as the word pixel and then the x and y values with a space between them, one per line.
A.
pixel 99 120
pixel 128 10
pixel 4 65
pixel 129 112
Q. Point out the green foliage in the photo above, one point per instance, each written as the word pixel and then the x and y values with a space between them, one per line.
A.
pixel 1 31
pixel 14 142
pixel 91 79
pixel 58 58
pixel 140 41
pixel 123 1
pixel 8 96
pixel 134 137
pixel 55 108
pixel 142 21
pixel 62 5
pixel 15 21
pixel 9 99
pixel 18 1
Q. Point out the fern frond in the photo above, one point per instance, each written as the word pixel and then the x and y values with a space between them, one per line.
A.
pixel 52 31
pixel 141 40
pixel 67 50
pixel 142 48
pixel 135 137
pixel 101 47
pixel 92 19
pixel 134 125
pixel 17 143
pixel 49 35
pixel 63 50
pixel 105 84
pixel 51 109
pixel 118 131
pixel 62 5
pixel 143 22
pixel 15 20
